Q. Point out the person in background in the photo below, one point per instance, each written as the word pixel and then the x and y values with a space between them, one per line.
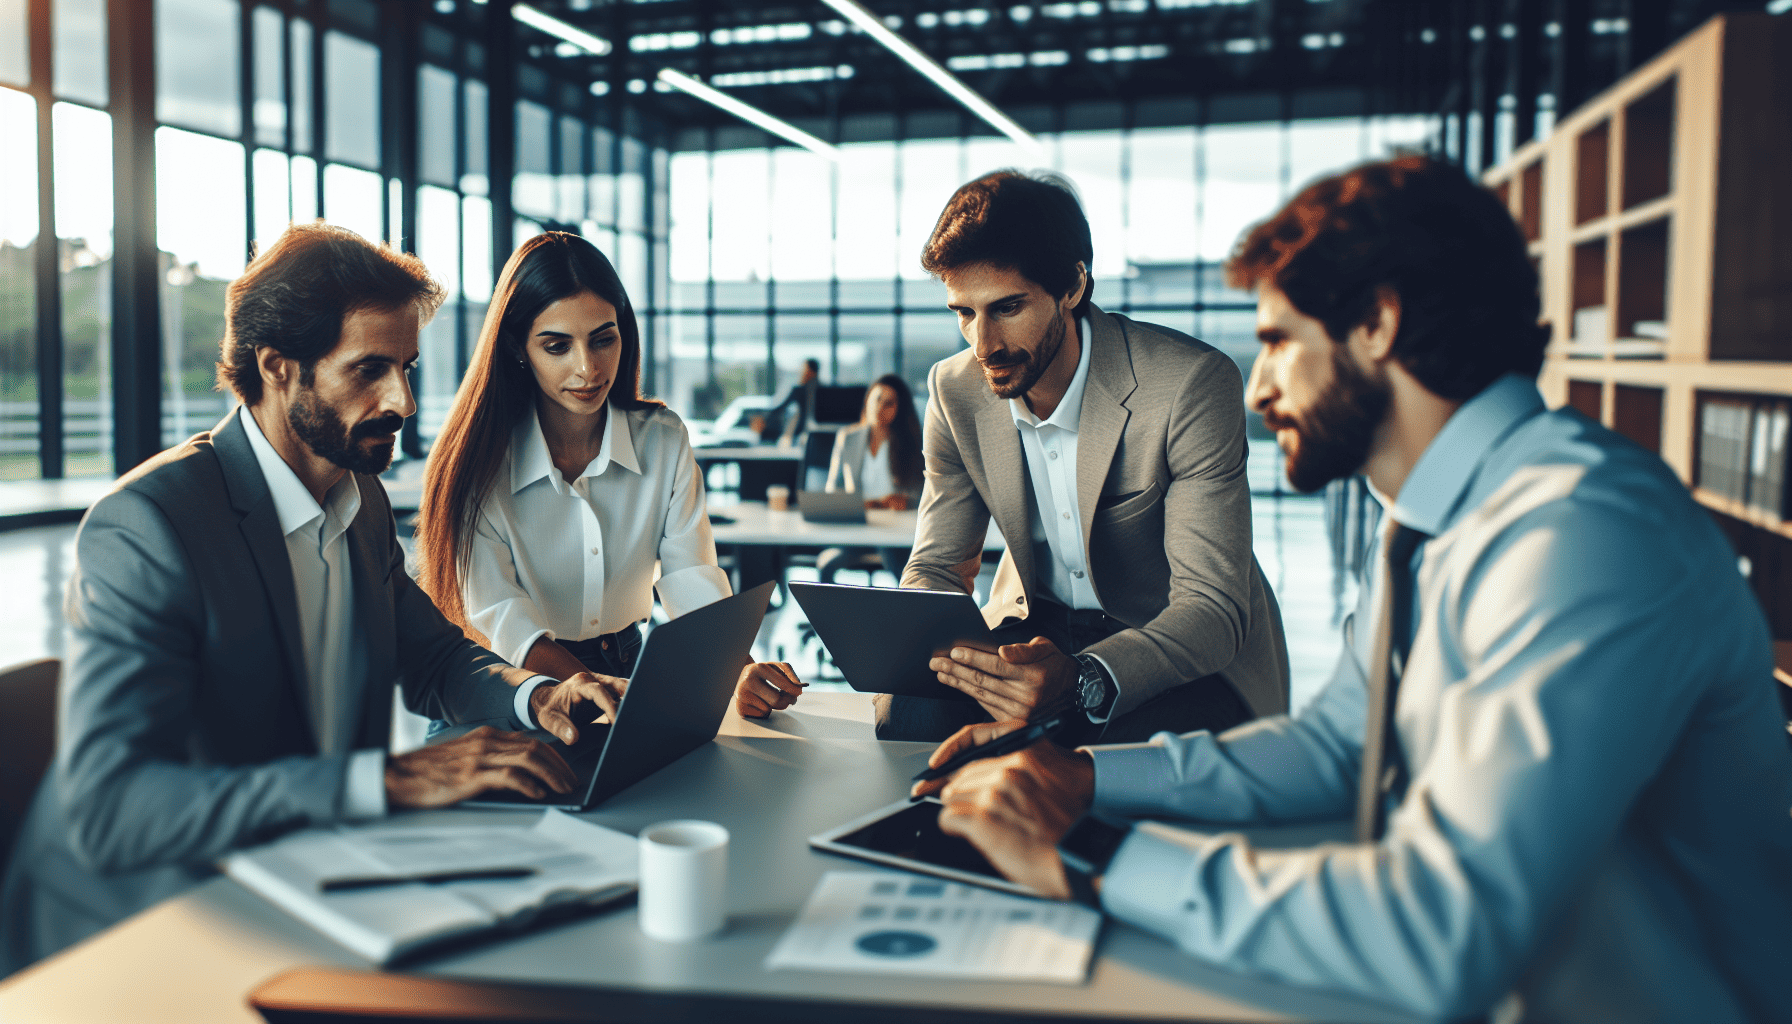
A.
pixel 239 610
pixel 1554 716
pixel 790 419
pixel 555 488
pixel 878 458
pixel 1111 455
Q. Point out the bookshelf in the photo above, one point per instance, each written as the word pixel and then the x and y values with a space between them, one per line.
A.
pixel 1659 215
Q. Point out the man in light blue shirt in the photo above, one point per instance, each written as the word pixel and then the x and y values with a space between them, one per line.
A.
pixel 1579 811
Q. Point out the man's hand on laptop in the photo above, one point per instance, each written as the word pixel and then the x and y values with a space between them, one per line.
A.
pixel 484 759
pixel 586 697
pixel 765 687
pixel 1018 681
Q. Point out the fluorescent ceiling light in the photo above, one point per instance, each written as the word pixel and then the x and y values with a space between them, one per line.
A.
pixel 553 26
pixel 747 112
pixel 874 27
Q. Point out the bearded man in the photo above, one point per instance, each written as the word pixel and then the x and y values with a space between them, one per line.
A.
pixel 1554 717
pixel 240 613
pixel 1111 455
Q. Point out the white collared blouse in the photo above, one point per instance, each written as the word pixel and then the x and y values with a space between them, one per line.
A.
pixel 571 561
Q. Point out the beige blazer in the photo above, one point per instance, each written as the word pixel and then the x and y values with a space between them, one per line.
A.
pixel 1166 511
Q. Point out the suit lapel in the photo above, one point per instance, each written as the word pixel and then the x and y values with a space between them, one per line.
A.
pixel 260 526
pixel 1103 420
pixel 1005 477
pixel 368 561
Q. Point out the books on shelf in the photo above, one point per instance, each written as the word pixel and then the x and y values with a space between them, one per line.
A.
pixel 1743 450
pixel 388 890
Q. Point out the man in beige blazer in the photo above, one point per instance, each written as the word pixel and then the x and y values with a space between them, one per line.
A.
pixel 1111 454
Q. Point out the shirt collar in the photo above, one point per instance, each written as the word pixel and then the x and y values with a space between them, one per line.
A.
pixel 1429 498
pixel 1070 408
pixel 532 461
pixel 293 503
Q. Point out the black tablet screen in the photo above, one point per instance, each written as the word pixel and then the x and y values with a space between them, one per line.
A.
pixel 914 833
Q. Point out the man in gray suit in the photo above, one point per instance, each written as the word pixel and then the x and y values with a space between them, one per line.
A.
pixel 1112 455
pixel 240 611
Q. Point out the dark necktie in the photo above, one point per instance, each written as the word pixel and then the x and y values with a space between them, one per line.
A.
pixel 1382 762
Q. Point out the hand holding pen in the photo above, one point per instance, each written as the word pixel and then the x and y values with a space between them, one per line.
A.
pixel 975 743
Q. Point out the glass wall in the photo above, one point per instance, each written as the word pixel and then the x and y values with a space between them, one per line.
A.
pixel 296 129
pixel 780 255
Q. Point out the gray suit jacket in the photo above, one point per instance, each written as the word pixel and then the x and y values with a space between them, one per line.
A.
pixel 1166 511
pixel 847 468
pixel 183 731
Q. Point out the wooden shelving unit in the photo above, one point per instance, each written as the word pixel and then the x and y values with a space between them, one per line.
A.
pixel 1659 215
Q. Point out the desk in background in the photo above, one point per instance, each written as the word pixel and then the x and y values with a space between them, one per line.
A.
pixel 762 539
pixel 761 465
pixel 194 959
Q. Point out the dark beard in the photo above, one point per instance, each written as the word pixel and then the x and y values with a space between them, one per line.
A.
pixel 1028 367
pixel 331 439
pixel 1332 439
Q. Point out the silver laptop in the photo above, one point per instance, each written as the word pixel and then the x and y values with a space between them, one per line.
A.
pixel 831 506
pixel 675 703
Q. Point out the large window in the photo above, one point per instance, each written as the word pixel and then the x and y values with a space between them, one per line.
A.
pixel 780 255
pixel 18 298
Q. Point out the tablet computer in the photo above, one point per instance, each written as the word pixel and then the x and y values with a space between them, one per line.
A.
pixel 882 638
pixel 907 835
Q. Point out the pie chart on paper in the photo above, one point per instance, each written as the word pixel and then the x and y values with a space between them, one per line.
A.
pixel 899 945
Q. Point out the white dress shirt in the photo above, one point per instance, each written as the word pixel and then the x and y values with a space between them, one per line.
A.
pixel 875 480
pixel 1595 818
pixel 335 679
pixel 570 561
pixel 1057 521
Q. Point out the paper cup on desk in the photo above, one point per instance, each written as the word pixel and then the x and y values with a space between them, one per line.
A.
pixel 684 880
pixel 777 497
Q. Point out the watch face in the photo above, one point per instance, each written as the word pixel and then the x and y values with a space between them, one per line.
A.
pixel 1092 691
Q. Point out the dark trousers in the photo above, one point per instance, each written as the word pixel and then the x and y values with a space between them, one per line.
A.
pixel 1205 703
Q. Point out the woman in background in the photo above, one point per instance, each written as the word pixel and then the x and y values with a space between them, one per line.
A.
pixel 879 458
pixel 554 486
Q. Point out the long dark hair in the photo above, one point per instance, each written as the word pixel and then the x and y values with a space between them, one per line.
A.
pixel 905 432
pixel 498 391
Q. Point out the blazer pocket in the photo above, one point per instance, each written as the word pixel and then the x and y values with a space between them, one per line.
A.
pixel 1125 506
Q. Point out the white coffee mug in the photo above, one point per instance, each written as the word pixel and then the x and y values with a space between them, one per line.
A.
pixel 684 880
pixel 777 497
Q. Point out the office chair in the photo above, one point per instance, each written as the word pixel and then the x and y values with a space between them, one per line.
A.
pixel 818 452
pixel 27 740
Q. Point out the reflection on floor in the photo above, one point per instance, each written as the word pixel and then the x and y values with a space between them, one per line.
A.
pixel 1289 536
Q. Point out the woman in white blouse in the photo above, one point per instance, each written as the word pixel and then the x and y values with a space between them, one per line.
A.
pixel 555 488
pixel 878 458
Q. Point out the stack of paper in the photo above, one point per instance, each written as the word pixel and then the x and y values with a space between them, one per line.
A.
pixel 573 862
pixel 894 924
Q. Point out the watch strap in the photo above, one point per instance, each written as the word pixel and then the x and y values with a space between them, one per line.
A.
pixel 1090 668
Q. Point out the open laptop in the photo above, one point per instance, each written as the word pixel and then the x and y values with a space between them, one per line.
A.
pixel 674 704
pixel 831 506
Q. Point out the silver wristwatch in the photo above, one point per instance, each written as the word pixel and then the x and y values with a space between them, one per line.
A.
pixel 1095 688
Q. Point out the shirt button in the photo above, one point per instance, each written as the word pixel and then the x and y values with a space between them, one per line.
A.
pixel 597 551
pixel 594 622
pixel 1051 455
pixel 1076 573
pixel 1066 515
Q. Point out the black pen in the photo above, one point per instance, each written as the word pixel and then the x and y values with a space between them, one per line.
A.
pixel 1019 739
pixel 435 878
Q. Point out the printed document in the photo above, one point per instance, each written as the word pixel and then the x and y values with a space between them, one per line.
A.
pixel 895 924
pixel 575 863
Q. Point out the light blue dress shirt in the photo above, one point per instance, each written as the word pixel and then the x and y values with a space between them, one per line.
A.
pixel 1596 824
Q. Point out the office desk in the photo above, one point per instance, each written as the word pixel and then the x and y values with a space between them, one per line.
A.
pixel 761 465
pixel 193 959
pixel 762 538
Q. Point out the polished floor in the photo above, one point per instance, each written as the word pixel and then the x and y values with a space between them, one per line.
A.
pixel 1289 532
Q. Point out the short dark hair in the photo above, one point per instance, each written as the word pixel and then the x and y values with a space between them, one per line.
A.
pixel 1439 240
pixel 296 293
pixel 1029 223
pixel 813 364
